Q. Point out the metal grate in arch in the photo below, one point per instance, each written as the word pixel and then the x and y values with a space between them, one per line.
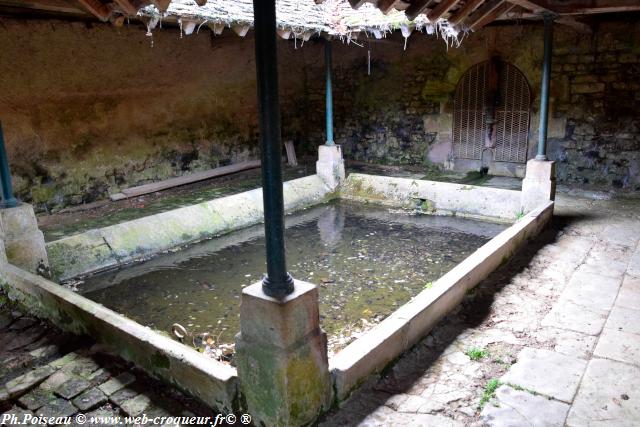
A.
pixel 510 103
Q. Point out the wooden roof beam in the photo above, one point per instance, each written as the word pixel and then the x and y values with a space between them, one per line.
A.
pixel 488 13
pixel 162 5
pixel 387 6
pixel 441 8
pixel 486 9
pixel 538 7
pixel 127 7
pixel 357 3
pixel 570 22
pixel 416 8
pixel 97 9
pixel 464 11
pixel 582 7
pixel 535 6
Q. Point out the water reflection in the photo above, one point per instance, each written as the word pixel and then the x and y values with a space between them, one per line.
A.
pixel 330 226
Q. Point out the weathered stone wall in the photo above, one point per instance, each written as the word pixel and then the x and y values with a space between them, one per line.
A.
pixel 90 109
pixel 402 112
pixel 597 86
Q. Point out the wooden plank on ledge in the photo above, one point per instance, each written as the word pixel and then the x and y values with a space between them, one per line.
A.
pixel 185 179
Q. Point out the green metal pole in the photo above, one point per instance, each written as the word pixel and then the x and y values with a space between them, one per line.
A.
pixel 278 283
pixel 329 93
pixel 8 199
pixel 544 89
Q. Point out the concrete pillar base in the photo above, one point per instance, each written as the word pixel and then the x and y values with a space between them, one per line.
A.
pixel 281 356
pixel 23 242
pixel 330 165
pixel 539 184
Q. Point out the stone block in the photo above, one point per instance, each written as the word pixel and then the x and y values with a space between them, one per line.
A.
pixel 568 315
pixel 591 290
pixel 546 372
pixel 587 88
pixel 136 406
pixel 23 383
pixel 330 165
pixel 515 408
pixel 625 320
pixel 117 383
pixel 539 184
pixel 281 355
pixel 279 323
pixel 57 408
pixel 619 345
pixel 24 244
pixel 36 399
pixel 607 396
pixel 89 399
pixel 629 295
pixel 72 388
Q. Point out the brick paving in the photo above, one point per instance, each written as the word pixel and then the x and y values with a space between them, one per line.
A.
pixel 48 373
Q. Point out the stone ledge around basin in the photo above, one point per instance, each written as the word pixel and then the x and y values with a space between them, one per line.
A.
pixel 434 197
pixel 210 381
pixel 380 346
pixel 119 244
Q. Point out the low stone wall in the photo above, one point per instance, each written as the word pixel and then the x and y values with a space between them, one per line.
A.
pixel 406 326
pixel 217 384
pixel 214 383
pixel 123 243
pixel 439 198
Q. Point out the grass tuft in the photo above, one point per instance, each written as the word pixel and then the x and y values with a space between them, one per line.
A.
pixel 489 391
pixel 476 353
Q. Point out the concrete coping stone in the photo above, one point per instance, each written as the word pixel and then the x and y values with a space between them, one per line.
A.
pixel 440 198
pixel 100 249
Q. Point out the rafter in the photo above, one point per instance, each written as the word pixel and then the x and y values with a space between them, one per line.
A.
pixel 387 6
pixel 416 8
pixel 162 5
pixel 96 8
pixel 442 8
pixel 582 7
pixel 533 5
pixel 483 11
pixel 499 11
pixel 127 7
pixel 357 3
pixel 539 7
pixel 464 11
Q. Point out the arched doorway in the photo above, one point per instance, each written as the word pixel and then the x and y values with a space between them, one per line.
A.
pixel 491 112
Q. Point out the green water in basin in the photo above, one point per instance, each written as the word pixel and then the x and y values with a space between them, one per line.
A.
pixel 367 261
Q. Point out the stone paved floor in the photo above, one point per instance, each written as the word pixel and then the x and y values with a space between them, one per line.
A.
pixel 550 339
pixel 47 373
